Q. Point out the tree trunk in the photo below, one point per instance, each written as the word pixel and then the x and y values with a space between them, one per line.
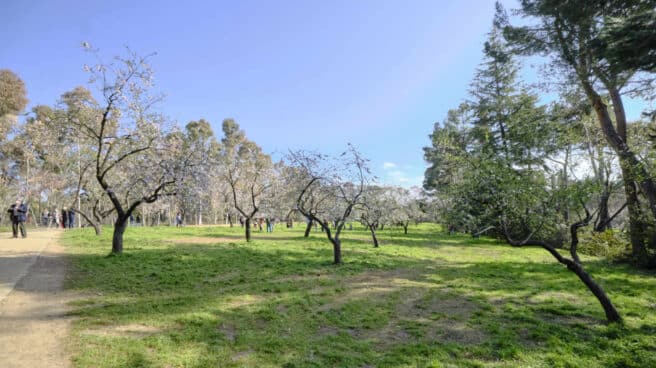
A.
pixel 97 225
pixel 636 228
pixel 248 229
pixel 308 228
pixel 373 236
pixel 97 228
pixel 337 251
pixel 612 315
pixel 603 218
pixel 405 228
pixel 119 228
pixel 633 171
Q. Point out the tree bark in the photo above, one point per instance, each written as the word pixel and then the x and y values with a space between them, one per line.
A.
pixel 248 229
pixel 603 218
pixel 636 225
pixel 97 226
pixel 308 228
pixel 633 171
pixel 119 229
pixel 405 228
pixel 337 250
pixel 619 142
pixel 373 236
pixel 612 315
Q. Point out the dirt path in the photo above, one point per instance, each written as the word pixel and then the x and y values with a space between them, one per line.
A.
pixel 33 312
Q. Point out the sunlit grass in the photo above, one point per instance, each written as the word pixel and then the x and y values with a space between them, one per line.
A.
pixel 203 297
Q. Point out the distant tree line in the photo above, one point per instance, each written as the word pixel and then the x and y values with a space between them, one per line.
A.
pixel 105 152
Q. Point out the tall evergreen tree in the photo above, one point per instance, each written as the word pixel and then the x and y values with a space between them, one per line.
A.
pixel 571 32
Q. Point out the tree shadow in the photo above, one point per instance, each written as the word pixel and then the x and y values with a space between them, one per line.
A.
pixel 244 305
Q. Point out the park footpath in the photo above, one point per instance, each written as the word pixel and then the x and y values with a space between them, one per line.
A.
pixel 34 319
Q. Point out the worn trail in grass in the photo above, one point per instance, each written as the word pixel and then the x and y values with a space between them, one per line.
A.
pixel 202 297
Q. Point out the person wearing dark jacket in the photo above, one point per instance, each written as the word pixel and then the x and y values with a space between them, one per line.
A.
pixel 64 218
pixel 71 218
pixel 18 215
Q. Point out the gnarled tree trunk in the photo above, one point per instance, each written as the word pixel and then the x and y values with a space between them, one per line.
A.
pixel 373 236
pixel 634 173
pixel 119 229
pixel 574 265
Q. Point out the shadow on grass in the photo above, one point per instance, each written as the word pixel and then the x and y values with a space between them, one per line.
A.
pixel 417 238
pixel 253 305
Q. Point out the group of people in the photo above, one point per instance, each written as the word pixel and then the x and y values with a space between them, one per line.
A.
pixel 270 223
pixel 18 216
pixel 64 218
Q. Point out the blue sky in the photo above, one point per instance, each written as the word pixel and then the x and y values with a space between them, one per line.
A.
pixel 294 74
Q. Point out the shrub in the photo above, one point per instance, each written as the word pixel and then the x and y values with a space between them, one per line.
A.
pixel 606 244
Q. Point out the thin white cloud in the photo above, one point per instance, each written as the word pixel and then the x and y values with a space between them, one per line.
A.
pixel 388 165
pixel 396 175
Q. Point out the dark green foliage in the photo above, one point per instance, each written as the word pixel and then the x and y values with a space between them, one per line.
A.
pixel 487 157
pixel 608 244
pixel 629 43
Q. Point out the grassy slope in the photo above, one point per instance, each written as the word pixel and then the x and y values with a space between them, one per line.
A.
pixel 202 297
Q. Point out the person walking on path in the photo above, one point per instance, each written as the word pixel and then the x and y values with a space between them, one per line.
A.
pixel 18 214
pixel 64 218
pixel 55 217
pixel 71 218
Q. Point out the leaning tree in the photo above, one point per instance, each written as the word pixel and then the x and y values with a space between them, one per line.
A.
pixel 582 41
pixel 498 181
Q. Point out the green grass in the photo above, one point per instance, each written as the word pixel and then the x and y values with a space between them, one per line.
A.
pixel 203 297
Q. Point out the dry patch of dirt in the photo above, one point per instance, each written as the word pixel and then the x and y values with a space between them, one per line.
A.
pixel 134 330
pixel 375 284
pixel 441 317
pixel 424 311
pixel 241 355
pixel 327 331
pixel 241 301
pixel 228 330
pixel 460 333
